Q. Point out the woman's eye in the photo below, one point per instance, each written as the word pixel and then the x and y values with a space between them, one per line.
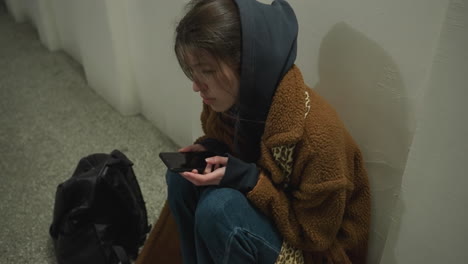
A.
pixel 208 71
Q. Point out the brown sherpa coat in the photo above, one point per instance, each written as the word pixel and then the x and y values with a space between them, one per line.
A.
pixel 312 182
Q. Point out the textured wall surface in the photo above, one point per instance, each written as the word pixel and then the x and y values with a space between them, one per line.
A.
pixel 372 61
pixel 430 219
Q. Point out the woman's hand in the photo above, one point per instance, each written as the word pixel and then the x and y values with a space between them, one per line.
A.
pixel 193 148
pixel 213 174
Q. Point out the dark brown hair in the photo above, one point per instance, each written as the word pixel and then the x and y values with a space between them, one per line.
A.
pixel 209 27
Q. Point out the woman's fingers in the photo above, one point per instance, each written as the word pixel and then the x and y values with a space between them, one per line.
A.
pixel 212 175
pixel 212 178
pixel 217 160
pixel 193 148
pixel 214 163
pixel 186 149
pixel 208 169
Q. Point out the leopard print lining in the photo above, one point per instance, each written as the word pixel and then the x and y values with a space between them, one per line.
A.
pixel 284 154
pixel 289 255
pixel 284 157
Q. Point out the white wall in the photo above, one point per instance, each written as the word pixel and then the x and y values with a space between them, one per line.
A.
pixel 66 27
pixel 126 49
pixel 164 92
pixel 371 59
pixel 430 221
pixel 91 31
pixel 105 53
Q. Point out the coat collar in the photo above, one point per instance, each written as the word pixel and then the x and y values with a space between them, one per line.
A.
pixel 285 121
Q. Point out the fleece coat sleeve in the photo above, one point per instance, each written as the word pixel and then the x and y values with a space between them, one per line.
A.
pixel 314 209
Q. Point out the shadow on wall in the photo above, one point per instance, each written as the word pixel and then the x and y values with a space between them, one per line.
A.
pixel 364 85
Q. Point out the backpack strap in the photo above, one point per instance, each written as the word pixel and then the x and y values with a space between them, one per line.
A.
pixel 121 254
pixel 119 157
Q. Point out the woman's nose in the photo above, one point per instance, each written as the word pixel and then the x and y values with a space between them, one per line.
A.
pixel 197 87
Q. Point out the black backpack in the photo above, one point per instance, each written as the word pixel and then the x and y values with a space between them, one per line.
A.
pixel 99 214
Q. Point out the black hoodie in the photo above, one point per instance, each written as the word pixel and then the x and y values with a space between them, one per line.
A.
pixel 269 46
pixel 269 34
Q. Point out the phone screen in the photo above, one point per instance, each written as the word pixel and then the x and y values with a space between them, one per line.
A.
pixel 185 161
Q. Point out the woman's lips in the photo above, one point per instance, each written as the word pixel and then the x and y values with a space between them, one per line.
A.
pixel 207 100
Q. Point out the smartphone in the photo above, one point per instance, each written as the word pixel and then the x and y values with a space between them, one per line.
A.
pixel 185 161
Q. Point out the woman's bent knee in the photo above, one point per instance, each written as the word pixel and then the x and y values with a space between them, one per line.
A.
pixel 217 204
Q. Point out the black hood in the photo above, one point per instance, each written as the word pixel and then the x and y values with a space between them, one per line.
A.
pixel 269 34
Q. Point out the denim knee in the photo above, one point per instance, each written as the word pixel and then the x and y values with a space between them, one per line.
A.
pixel 214 207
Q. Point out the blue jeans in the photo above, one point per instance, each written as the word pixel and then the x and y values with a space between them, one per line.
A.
pixel 219 225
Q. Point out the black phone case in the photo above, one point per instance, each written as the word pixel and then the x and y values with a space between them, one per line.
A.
pixel 185 161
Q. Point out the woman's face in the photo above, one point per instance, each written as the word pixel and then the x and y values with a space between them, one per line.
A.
pixel 217 84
